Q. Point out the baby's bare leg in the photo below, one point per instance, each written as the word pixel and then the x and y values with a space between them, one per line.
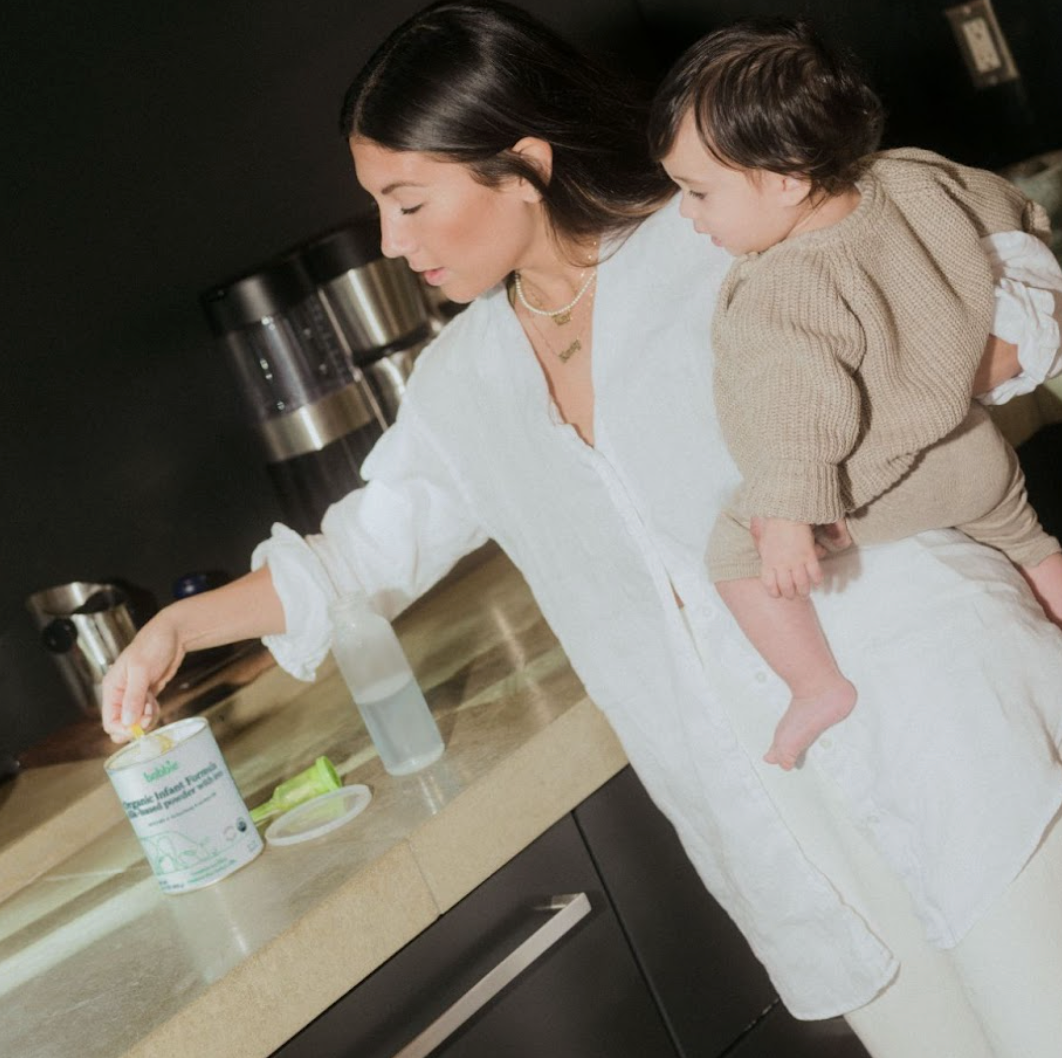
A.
pixel 787 634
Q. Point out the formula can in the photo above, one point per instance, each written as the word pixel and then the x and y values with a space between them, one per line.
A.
pixel 185 809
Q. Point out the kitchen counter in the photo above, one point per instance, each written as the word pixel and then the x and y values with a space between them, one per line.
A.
pixel 96 961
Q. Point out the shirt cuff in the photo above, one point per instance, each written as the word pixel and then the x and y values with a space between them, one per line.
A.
pixel 1028 310
pixel 305 591
pixel 800 490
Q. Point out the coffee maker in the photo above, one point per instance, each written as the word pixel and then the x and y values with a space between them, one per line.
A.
pixel 378 305
pixel 311 406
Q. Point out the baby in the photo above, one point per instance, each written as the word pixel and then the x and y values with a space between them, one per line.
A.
pixel 847 335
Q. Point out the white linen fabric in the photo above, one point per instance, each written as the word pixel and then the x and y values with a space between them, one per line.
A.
pixel 1028 309
pixel 949 761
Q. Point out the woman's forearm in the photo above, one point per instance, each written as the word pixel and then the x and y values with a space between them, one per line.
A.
pixel 998 363
pixel 248 608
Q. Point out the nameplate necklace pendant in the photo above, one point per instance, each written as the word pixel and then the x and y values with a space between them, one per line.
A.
pixel 567 353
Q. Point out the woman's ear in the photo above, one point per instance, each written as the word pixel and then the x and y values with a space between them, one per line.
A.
pixel 539 154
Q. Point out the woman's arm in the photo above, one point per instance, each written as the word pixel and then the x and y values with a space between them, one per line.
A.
pixel 998 365
pixel 391 539
pixel 1028 313
pixel 247 608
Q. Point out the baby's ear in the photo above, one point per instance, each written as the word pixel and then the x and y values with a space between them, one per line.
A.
pixel 791 189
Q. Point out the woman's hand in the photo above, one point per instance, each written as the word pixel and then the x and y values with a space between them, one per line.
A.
pixel 247 608
pixel 789 556
pixel 138 675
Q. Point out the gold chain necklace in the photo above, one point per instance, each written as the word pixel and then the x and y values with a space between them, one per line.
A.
pixel 565 354
pixel 559 316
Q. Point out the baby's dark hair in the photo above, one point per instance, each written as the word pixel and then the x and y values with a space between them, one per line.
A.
pixel 768 94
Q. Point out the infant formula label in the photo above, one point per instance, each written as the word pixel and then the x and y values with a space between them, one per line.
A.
pixel 183 805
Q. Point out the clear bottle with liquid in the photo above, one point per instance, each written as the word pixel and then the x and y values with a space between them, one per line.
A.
pixel 384 688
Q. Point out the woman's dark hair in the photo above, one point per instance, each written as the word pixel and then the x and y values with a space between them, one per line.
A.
pixel 768 94
pixel 465 81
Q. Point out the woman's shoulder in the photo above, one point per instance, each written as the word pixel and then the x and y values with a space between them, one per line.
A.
pixel 665 228
pixel 461 341
pixel 664 249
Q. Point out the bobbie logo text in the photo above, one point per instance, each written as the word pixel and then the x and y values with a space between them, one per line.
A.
pixel 161 771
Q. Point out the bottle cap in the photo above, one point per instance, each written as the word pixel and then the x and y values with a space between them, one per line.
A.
pixel 351 603
pixel 319 778
pixel 319 816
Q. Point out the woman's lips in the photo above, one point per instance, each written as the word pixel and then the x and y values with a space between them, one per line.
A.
pixel 433 276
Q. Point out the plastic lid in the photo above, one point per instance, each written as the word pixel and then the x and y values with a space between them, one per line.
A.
pixel 319 816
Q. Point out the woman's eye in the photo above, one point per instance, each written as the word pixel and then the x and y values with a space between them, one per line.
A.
pixel 408 210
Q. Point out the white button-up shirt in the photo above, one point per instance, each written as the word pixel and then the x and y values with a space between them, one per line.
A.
pixel 949 759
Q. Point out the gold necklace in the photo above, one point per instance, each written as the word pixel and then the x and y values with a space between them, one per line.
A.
pixel 559 316
pixel 565 354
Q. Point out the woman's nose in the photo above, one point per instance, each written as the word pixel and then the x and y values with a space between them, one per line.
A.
pixel 394 238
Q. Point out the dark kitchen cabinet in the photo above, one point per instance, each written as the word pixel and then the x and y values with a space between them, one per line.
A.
pixel 779 1035
pixel 711 990
pixel 584 998
pixel 654 969
pixel 710 986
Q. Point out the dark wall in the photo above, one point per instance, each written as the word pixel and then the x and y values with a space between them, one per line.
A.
pixel 152 150
pixel 909 54
pixel 147 152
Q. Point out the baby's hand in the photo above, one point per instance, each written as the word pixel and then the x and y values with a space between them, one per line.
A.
pixel 790 558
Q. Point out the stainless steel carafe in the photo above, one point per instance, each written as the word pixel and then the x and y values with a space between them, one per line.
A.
pixel 376 303
pixel 299 385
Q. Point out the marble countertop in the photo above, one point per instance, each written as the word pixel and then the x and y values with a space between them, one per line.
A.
pixel 96 962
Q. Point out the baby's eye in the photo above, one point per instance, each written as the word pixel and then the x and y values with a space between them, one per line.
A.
pixel 695 194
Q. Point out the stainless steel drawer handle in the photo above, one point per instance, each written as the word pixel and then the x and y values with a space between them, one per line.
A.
pixel 569 910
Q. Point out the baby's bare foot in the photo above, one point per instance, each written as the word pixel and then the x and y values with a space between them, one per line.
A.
pixel 806 719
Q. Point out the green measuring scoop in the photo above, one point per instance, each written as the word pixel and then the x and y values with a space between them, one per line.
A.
pixel 320 778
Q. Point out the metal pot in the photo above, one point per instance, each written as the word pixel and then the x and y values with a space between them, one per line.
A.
pixel 85 626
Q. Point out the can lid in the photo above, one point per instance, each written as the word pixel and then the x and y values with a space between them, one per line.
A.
pixel 314 818
pixel 154 744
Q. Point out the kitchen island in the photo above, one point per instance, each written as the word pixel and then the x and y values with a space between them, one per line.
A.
pixel 355 942
pixel 96 961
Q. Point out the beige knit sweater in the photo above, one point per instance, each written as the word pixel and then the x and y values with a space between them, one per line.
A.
pixel 842 353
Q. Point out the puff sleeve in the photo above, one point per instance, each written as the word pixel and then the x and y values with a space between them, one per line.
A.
pixel 392 539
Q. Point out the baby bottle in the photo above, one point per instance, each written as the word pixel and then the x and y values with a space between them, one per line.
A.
pixel 383 686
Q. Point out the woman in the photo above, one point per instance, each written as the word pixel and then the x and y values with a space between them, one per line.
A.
pixel 568 415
